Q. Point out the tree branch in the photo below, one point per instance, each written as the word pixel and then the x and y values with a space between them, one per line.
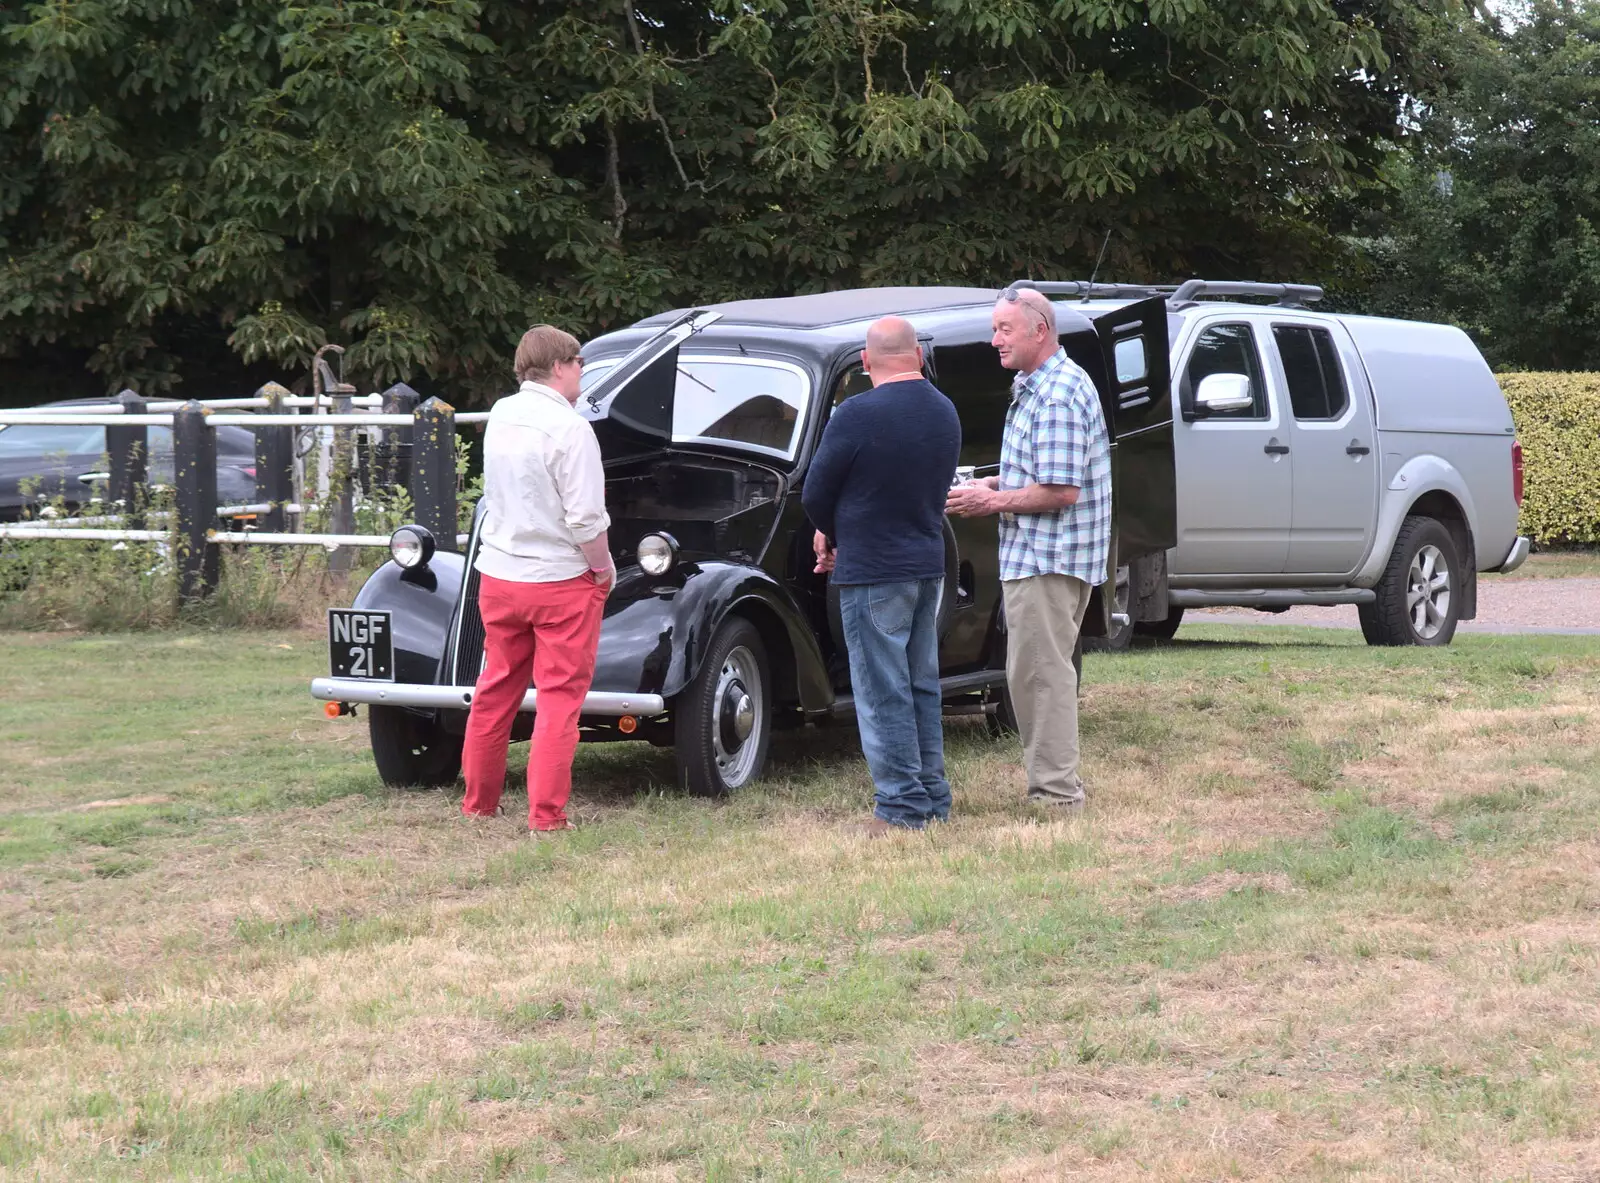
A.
pixel 619 203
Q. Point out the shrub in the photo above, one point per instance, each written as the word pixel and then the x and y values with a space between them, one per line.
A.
pixel 1558 423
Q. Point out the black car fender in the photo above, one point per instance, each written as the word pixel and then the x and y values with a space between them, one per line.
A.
pixel 421 602
pixel 657 631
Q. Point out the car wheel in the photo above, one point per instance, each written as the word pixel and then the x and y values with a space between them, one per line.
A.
pixel 412 751
pixel 1419 596
pixel 723 718
pixel 1160 630
pixel 1121 635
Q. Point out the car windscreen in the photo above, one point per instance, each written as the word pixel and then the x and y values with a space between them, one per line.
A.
pixel 756 404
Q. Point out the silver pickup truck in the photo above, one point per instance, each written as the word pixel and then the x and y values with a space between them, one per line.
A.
pixel 1324 459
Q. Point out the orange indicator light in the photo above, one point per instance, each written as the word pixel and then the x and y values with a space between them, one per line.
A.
pixel 332 710
pixel 627 724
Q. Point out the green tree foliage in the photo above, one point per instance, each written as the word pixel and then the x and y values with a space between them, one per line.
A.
pixel 420 179
pixel 1495 220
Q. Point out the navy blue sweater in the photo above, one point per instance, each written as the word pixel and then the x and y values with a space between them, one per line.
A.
pixel 877 484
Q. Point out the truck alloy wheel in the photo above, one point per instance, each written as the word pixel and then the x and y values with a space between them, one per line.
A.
pixel 723 717
pixel 1418 597
pixel 1121 635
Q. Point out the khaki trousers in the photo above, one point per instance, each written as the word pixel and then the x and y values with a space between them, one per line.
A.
pixel 1043 616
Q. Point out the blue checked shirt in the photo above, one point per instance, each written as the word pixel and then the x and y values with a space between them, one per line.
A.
pixel 1056 435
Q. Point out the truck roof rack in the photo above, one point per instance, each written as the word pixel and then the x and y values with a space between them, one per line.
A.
pixel 1179 295
pixel 1288 295
pixel 1088 291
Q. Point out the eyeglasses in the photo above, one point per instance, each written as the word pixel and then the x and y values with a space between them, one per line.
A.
pixel 576 357
pixel 1014 296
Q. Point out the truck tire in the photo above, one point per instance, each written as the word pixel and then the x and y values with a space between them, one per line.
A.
pixel 1121 636
pixel 1419 595
pixel 722 720
pixel 410 751
pixel 1160 630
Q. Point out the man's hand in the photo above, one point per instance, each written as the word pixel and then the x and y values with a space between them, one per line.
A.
pixel 826 556
pixel 605 578
pixel 974 499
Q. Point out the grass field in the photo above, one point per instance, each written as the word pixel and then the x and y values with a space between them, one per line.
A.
pixel 1333 913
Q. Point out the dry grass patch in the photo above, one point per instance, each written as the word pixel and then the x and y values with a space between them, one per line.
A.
pixel 1272 947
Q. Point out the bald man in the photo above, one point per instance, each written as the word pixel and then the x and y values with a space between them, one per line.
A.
pixel 875 493
pixel 1053 496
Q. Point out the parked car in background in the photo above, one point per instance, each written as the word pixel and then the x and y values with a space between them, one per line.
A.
pixel 718 630
pixel 1324 459
pixel 66 464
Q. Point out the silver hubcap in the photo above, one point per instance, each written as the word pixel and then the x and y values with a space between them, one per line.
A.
pixel 739 712
pixel 1428 592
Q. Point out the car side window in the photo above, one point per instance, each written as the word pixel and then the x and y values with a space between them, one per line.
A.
pixel 50 439
pixel 852 382
pixel 972 377
pixel 1228 349
pixel 1311 369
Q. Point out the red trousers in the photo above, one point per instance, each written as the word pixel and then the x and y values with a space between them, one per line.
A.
pixel 546 633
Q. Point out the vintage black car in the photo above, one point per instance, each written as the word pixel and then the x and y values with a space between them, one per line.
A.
pixel 718 631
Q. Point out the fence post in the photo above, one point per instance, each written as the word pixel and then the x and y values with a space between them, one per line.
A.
pixel 129 451
pixel 194 463
pixel 274 463
pixel 393 459
pixel 433 470
pixel 342 482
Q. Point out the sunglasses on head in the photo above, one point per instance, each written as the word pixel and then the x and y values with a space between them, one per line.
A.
pixel 1014 296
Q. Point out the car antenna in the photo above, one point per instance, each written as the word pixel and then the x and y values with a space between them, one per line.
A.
pixel 1089 291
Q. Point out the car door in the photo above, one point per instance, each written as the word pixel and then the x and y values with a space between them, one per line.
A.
pixel 1234 468
pixel 1335 501
pixel 1138 405
pixel 44 463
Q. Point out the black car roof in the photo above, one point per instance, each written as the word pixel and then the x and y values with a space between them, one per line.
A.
pixel 821 322
pixel 828 309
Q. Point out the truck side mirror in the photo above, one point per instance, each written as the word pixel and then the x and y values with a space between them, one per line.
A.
pixel 1218 393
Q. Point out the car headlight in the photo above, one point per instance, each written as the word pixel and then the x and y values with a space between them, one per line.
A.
pixel 411 546
pixel 657 553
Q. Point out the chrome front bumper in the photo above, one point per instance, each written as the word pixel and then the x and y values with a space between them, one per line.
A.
pixel 459 698
pixel 1518 556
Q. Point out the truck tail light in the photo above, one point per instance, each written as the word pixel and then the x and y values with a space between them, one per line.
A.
pixel 1516 472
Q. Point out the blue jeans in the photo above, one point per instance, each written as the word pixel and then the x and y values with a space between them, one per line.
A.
pixel 892 630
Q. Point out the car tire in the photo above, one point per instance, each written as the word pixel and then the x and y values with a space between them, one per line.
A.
pixel 1121 636
pixel 411 751
pixel 722 721
pixel 1419 595
pixel 1160 630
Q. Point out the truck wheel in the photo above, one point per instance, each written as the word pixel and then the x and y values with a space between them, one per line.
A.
pixel 412 751
pixel 1418 597
pixel 723 718
pixel 1160 630
pixel 1121 635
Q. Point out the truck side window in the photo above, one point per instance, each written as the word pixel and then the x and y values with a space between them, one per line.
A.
pixel 852 382
pixel 1228 349
pixel 1311 367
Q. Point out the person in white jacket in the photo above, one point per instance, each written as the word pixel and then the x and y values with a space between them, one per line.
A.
pixel 546 569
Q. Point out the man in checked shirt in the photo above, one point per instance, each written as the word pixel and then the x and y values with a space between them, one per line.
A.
pixel 1053 496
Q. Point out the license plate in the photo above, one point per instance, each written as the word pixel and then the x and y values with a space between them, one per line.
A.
pixel 360 645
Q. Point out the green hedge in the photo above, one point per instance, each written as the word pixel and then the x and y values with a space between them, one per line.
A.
pixel 1558 422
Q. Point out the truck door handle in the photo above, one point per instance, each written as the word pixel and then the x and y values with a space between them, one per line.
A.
pixel 1357 448
pixel 90 478
pixel 1274 448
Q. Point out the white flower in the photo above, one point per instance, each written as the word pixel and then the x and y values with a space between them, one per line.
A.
pixel 48 512
pixel 120 546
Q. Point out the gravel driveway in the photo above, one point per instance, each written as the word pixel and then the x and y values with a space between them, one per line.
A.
pixel 1504 606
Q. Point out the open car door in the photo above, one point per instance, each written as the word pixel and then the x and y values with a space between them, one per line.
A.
pixel 1133 342
pixel 634 398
